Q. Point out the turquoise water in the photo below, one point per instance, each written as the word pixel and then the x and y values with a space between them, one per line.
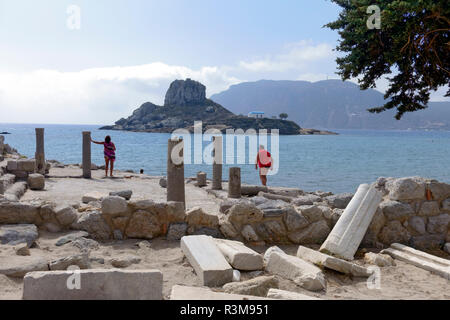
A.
pixel 329 163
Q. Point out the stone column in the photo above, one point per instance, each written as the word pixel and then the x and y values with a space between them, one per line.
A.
pixel 234 183
pixel 201 179
pixel 87 154
pixel 175 171
pixel 217 164
pixel 347 234
pixel 40 151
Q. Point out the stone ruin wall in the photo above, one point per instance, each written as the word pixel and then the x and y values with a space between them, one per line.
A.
pixel 415 211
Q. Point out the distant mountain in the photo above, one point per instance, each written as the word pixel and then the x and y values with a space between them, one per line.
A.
pixel 185 103
pixel 328 104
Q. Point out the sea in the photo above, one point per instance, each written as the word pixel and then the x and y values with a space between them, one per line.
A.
pixel 336 163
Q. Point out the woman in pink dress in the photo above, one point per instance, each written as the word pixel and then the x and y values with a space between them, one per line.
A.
pixel 109 152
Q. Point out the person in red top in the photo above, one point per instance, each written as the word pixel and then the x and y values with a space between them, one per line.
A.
pixel 264 162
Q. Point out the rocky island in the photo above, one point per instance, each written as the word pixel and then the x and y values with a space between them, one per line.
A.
pixel 186 102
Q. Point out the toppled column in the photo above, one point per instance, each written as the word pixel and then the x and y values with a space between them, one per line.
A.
pixel 420 259
pixel 201 179
pixel 217 164
pixel 40 151
pixel 234 183
pixel 175 171
pixel 347 234
pixel 87 154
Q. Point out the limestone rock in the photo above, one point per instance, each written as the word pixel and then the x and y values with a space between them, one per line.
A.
pixel 18 233
pixel 36 181
pixel 416 225
pixel 21 249
pixel 95 285
pixel 71 237
pixel 288 295
pixel 249 233
pixel 18 266
pixel 113 205
pixel 272 230
pixel 185 92
pixel 429 208
pixel 196 216
pixel 80 260
pixel 126 194
pixel 269 251
pixel 410 188
pixel 176 231
pixel 255 287
pixel 312 212
pixel 93 223
pixel 295 220
pixel 447 248
pixel 439 190
pixel 339 201
pixel 438 224
pixel 315 233
pixel 446 205
pixel 394 232
pixel 381 260
pixel 208 262
pixel 395 210
pixel 18 212
pixel 427 241
pixel 301 272
pixel 93 196
pixel 65 215
pixel 144 224
pixel 244 213
pixel 239 256
pixel 307 199
pixel 123 262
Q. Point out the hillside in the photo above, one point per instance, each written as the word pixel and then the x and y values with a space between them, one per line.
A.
pixel 185 103
pixel 329 104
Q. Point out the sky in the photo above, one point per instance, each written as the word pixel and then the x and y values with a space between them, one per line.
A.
pixel 93 62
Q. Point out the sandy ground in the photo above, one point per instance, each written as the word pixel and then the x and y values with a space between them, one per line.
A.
pixel 403 281
pixel 66 185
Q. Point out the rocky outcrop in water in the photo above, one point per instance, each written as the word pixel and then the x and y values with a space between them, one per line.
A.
pixel 186 103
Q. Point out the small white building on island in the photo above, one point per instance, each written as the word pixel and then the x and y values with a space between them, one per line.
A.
pixel 256 114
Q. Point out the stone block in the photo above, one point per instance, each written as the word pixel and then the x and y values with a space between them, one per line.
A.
pixel 207 260
pixel 333 263
pixel 239 256
pixel 195 293
pixel 114 205
pixel 94 285
pixel 258 286
pixel 93 196
pixel 36 181
pixel 288 295
pixel 301 272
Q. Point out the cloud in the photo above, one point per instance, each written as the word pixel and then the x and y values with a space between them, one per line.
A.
pixel 296 56
pixel 97 95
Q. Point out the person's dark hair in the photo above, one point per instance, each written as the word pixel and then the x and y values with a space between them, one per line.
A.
pixel 107 139
pixel 142 171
